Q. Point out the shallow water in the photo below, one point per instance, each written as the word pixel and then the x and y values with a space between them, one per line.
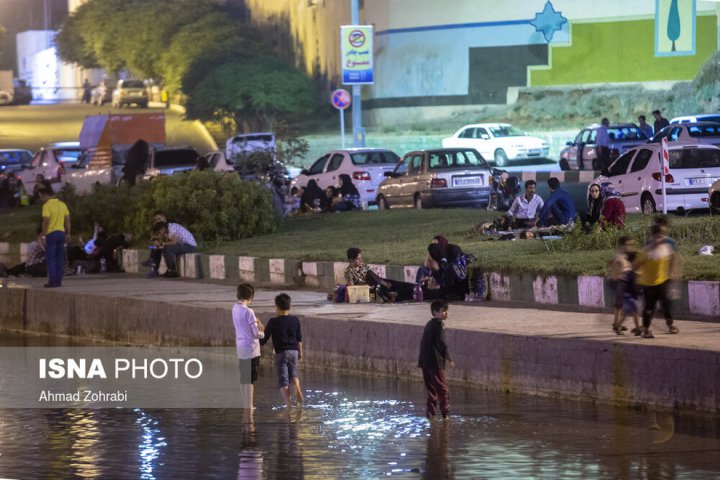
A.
pixel 357 427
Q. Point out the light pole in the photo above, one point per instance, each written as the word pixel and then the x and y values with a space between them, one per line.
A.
pixel 358 130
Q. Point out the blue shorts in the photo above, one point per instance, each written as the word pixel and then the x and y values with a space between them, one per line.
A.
pixel 286 365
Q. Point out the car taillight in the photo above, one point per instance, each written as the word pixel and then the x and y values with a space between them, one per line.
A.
pixel 438 183
pixel 361 175
pixel 668 178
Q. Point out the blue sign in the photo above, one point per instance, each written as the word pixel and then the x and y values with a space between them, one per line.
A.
pixel 357 54
pixel 340 99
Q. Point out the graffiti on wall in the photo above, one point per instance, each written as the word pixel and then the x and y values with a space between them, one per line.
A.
pixel 674 27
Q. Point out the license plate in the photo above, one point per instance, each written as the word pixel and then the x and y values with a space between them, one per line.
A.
pixel 467 181
pixel 702 181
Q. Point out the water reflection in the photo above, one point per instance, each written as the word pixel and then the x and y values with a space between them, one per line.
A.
pixel 360 427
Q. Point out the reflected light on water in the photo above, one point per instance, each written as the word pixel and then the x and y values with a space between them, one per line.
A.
pixel 149 447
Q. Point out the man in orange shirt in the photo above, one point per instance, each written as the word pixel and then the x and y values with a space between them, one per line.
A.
pixel 56 230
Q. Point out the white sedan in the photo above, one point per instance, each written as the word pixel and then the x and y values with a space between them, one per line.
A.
pixel 693 132
pixel 366 167
pixel 498 141
pixel 636 175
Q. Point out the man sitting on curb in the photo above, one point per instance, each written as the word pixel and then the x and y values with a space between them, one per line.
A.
pixel 35 263
pixel 171 240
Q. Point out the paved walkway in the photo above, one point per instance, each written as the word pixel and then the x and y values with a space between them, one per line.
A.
pixel 525 322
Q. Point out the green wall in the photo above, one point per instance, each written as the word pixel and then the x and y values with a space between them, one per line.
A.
pixel 622 52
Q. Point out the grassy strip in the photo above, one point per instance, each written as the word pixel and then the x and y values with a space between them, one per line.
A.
pixel 401 237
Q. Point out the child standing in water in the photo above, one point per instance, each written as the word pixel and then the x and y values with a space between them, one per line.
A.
pixel 434 355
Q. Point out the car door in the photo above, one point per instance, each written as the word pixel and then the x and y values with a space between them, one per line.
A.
pixel 391 187
pixel 314 172
pixel 589 148
pixel 465 139
pixel 333 171
pixel 617 173
pixel 636 177
pixel 408 182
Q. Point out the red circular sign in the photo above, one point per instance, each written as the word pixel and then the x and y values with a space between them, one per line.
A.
pixel 340 99
pixel 356 38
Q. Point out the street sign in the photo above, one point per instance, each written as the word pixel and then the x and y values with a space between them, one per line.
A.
pixel 340 99
pixel 357 54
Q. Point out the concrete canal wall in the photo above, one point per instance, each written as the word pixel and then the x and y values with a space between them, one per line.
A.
pixel 557 354
pixel 697 298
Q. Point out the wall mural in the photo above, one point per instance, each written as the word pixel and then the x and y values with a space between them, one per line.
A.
pixel 548 21
pixel 674 27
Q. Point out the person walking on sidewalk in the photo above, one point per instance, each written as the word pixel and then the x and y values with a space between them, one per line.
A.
pixel 286 335
pixel 248 332
pixel 56 230
pixel 434 355
pixel 659 264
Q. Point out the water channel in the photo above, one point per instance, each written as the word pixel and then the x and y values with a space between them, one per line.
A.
pixel 358 427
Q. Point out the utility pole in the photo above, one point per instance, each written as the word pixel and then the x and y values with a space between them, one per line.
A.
pixel 358 130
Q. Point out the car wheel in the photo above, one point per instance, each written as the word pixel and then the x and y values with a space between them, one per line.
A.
pixel 564 165
pixel 417 202
pixel 382 203
pixel 647 204
pixel 715 204
pixel 500 158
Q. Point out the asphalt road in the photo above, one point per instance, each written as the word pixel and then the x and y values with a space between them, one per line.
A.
pixel 34 126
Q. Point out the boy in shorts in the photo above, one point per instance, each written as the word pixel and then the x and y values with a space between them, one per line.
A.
pixel 284 330
pixel 622 280
pixel 248 332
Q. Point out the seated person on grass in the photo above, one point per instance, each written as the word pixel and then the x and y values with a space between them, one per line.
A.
pixel 358 273
pixel 559 208
pixel 525 208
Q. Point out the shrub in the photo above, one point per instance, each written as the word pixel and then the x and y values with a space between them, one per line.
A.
pixel 110 206
pixel 213 206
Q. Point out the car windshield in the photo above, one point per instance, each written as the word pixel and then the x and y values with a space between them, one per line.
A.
pixel 15 157
pixel 701 131
pixel 695 158
pixel 175 158
pixel 507 131
pixel 456 159
pixel 374 158
pixel 626 133
pixel 252 138
pixel 67 154
pixel 133 84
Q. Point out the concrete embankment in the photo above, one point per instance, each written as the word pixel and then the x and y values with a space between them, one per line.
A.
pixel 540 352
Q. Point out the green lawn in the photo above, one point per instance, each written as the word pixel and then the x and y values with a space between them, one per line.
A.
pixel 401 237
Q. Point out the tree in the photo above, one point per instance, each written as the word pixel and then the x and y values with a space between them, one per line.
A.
pixel 673 26
pixel 252 90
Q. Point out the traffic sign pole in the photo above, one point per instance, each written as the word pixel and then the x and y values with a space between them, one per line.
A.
pixel 342 127
pixel 358 130
pixel 341 99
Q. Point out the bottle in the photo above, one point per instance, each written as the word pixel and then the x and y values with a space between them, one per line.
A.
pixel 103 265
pixel 418 293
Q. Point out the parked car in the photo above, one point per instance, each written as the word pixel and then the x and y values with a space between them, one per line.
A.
pixel 702 117
pixel 14 159
pixel 714 198
pixel 636 174
pixel 217 161
pixel 243 146
pixel 168 161
pixel 366 167
pixel 446 177
pixel 623 137
pixel 101 94
pixel 128 92
pixel 51 162
pixel 695 132
pixel 498 141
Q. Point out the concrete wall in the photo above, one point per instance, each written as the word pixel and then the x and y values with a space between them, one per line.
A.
pixel 582 367
pixel 697 298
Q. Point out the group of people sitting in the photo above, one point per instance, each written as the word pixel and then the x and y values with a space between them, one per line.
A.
pixel 313 199
pixel 443 275
pixel 529 212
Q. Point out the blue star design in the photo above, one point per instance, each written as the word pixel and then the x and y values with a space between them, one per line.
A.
pixel 548 21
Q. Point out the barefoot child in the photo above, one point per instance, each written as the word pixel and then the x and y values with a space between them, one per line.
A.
pixel 434 355
pixel 284 330
pixel 619 269
pixel 248 331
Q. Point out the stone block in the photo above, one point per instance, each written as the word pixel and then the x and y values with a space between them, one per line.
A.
pixel 410 273
pixel 499 287
pixel 380 270
pixel 396 272
pixel 545 290
pixel 339 272
pixel 130 261
pixel 591 291
pixel 246 269
pixel 704 298
pixel 216 267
